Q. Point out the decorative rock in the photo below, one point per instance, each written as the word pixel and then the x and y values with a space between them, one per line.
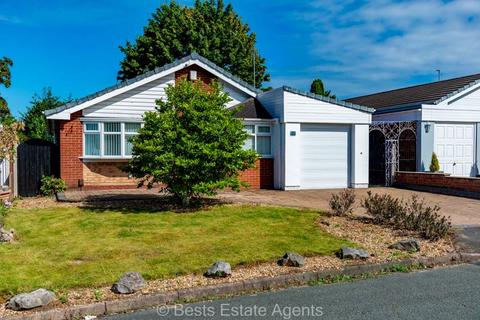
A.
pixel 411 245
pixel 351 253
pixel 130 282
pixel 6 236
pixel 219 269
pixel 291 259
pixel 35 299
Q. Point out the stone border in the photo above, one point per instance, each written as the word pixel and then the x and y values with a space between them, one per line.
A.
pixel 235 288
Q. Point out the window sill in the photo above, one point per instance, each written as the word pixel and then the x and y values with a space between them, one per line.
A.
pixel 105 159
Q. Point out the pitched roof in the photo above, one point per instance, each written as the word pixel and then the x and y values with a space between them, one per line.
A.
pixel 432 93
pixel 251 109
pixel 341 103
pixel 193 56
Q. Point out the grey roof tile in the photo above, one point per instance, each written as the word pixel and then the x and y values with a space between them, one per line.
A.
pixel 433 93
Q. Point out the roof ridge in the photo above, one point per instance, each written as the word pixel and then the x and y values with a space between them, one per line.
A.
pixel 192 56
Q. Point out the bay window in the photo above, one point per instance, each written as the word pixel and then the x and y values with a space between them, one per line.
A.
pixel 260 139
pixel 109 139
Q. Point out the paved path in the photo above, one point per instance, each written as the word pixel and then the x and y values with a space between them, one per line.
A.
pixel 447 293
pixel 463 211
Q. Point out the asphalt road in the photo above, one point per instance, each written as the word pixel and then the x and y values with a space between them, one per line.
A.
pixel 451 293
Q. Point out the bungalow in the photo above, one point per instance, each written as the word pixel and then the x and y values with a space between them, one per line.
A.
pixel 304 141
pixel 446 118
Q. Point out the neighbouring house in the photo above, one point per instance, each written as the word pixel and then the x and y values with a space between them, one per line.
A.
pixel 304 141
pixel 411 123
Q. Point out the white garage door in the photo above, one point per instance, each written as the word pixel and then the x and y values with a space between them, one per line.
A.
pixel 324 156
pixel 454 148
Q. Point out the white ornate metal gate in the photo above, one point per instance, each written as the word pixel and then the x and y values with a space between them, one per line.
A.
pixel 392 130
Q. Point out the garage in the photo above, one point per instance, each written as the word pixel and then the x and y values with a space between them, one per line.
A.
pixel 454 146
pixel 325 156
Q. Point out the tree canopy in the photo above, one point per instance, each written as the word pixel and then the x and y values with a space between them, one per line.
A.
pixel 192 144
pixel 36 124
pixel 5 75
pixel 209 28
pixel 318 87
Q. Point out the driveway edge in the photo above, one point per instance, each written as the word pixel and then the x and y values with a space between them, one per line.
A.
pixel 236 288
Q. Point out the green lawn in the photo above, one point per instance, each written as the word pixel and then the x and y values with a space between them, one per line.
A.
pixel 61 248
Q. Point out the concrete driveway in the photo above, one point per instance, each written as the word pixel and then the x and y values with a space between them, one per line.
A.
pixel 463 211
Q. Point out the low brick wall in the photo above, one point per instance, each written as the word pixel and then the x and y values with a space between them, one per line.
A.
pixel 439 183
pixel 109 175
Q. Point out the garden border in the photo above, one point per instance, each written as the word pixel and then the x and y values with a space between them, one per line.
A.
pixel 235 288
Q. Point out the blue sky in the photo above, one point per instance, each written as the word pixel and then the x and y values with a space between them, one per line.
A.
pixel 356 47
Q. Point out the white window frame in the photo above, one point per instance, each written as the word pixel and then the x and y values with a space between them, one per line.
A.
pixel 255 135
pixel 101 131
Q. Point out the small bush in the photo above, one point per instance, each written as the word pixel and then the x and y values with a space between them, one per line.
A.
pixel 434 165
pixel 342 203
pixel 382 208
pixel 51 185
pixel 414 215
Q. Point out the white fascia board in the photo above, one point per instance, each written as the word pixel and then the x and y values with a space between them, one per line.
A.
pixel 65 114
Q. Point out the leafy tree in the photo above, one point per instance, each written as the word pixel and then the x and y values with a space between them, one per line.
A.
pixel 209 28
pixel 36 124
pixel 434 165
pixel 317 87
pixel 192 144
pixel 5 64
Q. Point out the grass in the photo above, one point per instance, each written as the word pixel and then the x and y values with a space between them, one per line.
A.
pixel 61 248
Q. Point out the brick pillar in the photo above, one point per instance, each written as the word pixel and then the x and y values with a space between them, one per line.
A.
pixel 261 176
pixel 71 149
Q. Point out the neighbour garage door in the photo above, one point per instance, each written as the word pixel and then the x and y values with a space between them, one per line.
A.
pixel 454 148
pixel 324 156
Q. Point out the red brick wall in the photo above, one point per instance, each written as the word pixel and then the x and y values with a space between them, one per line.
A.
pixel 260 177
pixel 438 180
pixel 202 75
pixel 70 138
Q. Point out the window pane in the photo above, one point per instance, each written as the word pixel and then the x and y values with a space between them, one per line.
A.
pixel 264 145
pixel 250 129
pixel 111 127
pixel 128 144
pixel 263 129
pixel 132 127
pixel 91 126
pixel 112 145
pixel 249 143
pixel 92 144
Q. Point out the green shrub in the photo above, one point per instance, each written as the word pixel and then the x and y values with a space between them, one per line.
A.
pixel 434 165
pixel 382 208
pixel 51 185
pixel 414 215
pixel 342 203
pixel 429 223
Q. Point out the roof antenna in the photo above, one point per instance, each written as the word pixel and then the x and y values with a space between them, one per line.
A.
pixel 438 74
pixel 254 61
